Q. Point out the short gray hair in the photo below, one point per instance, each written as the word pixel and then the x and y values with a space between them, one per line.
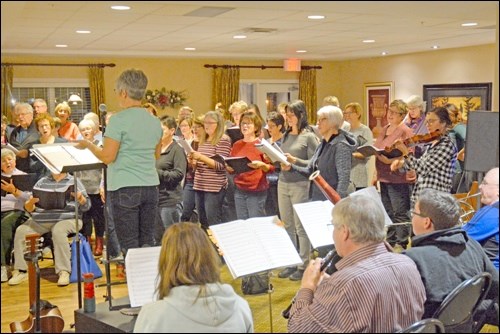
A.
pixel 23 106
pixel 87 122
pixel 7 152
pixel 416 101
pixel 441 207
pixel 363 216
pixel 333 114
pixel 134 82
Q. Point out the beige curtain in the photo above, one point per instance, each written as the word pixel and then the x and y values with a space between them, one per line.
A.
pixel 7 80
pixel 226 86
pixel 307 93
pixel 96 85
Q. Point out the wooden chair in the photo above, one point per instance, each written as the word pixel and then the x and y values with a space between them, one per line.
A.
pixel 429 325
pixel 469 202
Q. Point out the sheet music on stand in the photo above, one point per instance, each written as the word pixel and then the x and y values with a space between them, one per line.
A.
pixel 65 157
pixel 142 273
pixel 316 218
pixel 255 245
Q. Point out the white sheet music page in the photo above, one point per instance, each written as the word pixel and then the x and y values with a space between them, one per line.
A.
pixel 142 272
pixel 373 193
pixel 316 217
pixel 255 245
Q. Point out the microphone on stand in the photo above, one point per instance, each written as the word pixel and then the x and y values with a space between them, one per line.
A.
pixel 102 110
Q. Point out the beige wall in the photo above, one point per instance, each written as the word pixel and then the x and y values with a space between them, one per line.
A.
pixel 344 79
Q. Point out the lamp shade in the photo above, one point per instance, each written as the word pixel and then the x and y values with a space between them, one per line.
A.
pixel 75 98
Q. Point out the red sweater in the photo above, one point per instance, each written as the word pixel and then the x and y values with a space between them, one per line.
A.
pixel 254 180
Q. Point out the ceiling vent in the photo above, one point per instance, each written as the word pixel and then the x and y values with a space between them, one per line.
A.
pixel 209 11
pixel 260 30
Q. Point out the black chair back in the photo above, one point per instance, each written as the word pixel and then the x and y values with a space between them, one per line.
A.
pixel 457 309
pixel 429 325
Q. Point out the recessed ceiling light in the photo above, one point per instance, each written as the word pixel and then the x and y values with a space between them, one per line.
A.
pixel 368 41
pixel 239 36
pixel 385 53
pixel 316 17
pixel 190 49
pixel 301 51
pixel 83 31
pixel 120 7
pixel 469 24
pixel 435 47
pixel 61 45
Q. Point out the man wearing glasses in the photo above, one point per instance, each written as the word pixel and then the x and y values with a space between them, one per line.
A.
pixel 444 253
pixel 24 135
pixel 483 227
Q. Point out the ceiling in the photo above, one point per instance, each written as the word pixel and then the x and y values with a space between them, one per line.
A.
pixel 165 28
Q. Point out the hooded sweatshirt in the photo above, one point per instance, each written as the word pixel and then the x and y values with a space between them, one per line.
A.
pixel 183 311
pixel 446 258
pixel 333 159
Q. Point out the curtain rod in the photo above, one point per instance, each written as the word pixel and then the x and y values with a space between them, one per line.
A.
pixel 262 67
pixel 42 64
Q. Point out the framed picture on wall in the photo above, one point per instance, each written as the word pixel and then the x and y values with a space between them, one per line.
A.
pixel 378 96
pixel 467 97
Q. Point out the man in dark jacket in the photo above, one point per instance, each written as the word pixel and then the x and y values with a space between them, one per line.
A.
pixel 443 252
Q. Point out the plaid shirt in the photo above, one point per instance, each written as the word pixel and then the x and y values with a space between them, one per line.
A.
pixel 434 168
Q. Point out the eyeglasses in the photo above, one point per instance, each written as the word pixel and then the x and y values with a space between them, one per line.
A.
pixel 484 183
pixel 414 213
pixel 209 123
pixel 246 124
pixel 322 119
pixel 430 121
pixel 394 112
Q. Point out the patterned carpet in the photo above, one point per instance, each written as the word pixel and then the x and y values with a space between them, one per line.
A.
pixel 283 292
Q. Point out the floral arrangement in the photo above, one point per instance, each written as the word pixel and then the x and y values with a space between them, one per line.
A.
pixel 165 98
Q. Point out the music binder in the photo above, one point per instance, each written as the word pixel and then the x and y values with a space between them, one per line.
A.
pixel 255 245
pixel 238 164
pixel 273 152
pixel 23 182
pixel 65 157
pixel 234 133
pixel 369 150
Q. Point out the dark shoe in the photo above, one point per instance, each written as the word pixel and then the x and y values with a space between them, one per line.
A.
pixel 297 276
pixel 287 272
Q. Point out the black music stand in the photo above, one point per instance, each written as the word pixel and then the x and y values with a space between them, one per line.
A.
pixel 61 158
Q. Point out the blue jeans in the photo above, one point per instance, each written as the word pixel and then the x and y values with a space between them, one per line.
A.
pixel 250 203
pixel 134 211
pixel 188 202
pixel 209 206
pixel 170 215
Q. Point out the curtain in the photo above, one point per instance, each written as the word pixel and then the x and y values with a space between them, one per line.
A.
pixel 96 87
pixel 7 81
pixel 307 93
pixel 226 85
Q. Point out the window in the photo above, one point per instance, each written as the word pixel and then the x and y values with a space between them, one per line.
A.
pixel 54 92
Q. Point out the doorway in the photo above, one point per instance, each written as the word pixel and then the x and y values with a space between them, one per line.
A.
pixel 268 94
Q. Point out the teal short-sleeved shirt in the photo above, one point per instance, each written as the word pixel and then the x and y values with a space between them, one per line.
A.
pixel 138 133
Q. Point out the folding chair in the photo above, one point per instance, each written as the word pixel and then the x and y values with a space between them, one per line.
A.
pixel 457 309
pixel 429 325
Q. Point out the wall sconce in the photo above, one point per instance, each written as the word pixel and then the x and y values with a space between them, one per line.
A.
pixel 75 98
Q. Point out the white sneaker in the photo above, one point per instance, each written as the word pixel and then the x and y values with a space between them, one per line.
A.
pixel 18 277
pixel 63 278
pixel 5 274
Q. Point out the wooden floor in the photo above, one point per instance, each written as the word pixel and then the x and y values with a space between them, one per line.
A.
pixel 15 298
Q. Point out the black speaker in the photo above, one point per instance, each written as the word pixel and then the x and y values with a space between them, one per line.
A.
pixel 481 145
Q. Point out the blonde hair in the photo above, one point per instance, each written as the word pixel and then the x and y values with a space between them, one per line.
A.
pixel 63 106
pixel 187 257
pixel 219 131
